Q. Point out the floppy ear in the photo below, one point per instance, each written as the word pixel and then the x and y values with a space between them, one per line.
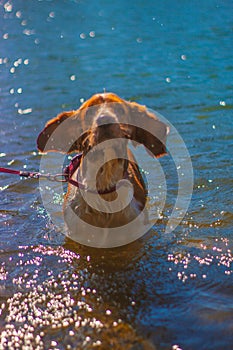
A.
pixel 69 130
pixel 63 134
pixel 145 128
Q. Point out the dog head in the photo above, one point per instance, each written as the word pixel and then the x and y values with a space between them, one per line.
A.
pixel 104 116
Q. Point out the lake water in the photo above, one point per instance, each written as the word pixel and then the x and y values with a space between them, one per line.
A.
pixel 164 291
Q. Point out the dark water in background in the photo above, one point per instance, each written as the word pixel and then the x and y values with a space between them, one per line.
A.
pixel 160 292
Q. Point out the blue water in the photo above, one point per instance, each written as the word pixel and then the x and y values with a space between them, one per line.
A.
pixel 161 292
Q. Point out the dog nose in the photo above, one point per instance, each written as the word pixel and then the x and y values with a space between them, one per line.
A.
pixel 106 128
pixel 105 119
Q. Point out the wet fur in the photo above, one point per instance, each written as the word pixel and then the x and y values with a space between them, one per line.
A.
pixel 84 133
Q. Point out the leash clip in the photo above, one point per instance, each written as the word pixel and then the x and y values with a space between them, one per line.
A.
pixel 50 177
pixel 56 177
pixel 29 174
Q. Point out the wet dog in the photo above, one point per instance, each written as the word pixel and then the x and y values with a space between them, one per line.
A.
pixel 107 189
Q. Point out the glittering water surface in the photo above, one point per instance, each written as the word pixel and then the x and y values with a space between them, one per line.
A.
pixel 163 291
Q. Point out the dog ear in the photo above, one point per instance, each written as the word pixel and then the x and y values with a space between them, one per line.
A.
pixel 145 128
pixel 66 132
pixel 61 133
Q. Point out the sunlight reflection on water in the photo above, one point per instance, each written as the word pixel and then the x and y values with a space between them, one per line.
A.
pixel 162 291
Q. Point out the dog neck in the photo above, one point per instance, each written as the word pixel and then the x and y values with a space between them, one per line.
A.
pixel 98 174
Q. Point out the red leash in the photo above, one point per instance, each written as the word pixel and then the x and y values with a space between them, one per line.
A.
pixel 33 175
pixel 9 171
pixel 65 177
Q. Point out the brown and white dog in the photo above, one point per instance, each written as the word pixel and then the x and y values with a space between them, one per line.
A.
pixel 100 129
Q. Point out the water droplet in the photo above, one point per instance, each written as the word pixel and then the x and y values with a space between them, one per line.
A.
pixel 18 14
pixel 83 36
pixel 52 14
pixel 24 111
pixel 8 6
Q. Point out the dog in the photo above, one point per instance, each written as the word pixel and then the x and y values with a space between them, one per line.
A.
pixel 106 189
